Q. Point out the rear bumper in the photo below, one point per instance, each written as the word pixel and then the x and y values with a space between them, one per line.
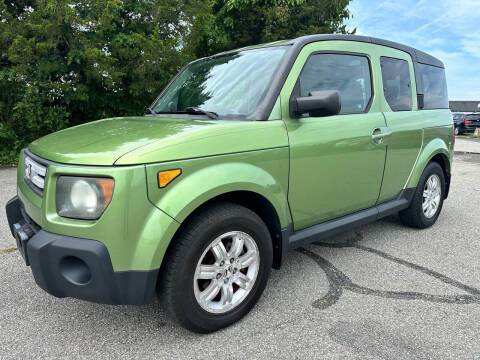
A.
pixel 469 128
pixel 72 267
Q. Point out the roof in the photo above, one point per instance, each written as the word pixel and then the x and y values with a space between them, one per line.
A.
pixel 417 55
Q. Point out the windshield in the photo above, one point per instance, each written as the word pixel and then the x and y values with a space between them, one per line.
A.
pixel 228 85
pixel 457 116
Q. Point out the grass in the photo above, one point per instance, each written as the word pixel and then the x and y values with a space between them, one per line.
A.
pixel 9 249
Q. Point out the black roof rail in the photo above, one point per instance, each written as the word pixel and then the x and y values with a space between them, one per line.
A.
pixel 417 55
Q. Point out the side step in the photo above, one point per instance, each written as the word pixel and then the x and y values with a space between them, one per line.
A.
pixel 349 222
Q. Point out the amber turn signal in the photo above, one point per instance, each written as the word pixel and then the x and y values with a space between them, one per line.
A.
pixel 106 186
pixel 166 177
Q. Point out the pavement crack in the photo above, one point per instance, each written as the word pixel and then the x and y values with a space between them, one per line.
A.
pixel 340 282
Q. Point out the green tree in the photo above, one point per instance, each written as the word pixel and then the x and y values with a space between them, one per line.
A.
pixel 238 23
pixel 65 62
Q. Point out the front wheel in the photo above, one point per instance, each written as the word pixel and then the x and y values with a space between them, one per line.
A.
pixel 427 201
pixel 217 268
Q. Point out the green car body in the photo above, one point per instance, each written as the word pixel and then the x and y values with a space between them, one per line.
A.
pixel 305 176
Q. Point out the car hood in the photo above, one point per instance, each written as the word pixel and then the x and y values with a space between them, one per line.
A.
pixel 137 140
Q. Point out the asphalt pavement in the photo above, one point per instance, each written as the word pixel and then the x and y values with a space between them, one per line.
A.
pixel 8 189
pixel 381 292
pixel 467 145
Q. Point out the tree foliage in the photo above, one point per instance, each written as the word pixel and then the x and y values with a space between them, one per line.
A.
pixel 238 23
pixel 65 62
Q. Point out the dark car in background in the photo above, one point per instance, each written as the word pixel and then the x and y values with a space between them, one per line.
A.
pixel 466 123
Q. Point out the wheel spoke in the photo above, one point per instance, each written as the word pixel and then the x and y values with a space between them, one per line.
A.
pixel 210 292
pixel 247 259
pixel 208 272
pixel 227 294
pixel 425 205
pixel 237 246
pixel 242 281
pixel 219 251
pixel 431 210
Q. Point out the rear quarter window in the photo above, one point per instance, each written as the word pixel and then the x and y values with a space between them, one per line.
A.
pixel 396 83
pixel 435 94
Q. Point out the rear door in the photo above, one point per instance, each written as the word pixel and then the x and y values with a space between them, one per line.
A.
pixel 336 165
pixel 399 105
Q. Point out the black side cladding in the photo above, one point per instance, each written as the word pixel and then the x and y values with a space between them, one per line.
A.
pixel 292 239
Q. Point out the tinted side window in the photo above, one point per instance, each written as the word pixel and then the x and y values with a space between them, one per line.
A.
pixel 349 74
pixel 396 83
pixel 435 94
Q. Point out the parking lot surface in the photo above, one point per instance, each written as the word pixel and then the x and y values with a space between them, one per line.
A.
pixel 467 145
pixel 381 292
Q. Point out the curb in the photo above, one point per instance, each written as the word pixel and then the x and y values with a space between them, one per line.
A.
pixel 7 250
pixel 466 153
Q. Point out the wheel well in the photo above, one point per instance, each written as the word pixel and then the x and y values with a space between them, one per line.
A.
pixel 259 205
pixel 442 160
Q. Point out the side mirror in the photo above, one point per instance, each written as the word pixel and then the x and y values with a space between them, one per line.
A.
pixel 318 103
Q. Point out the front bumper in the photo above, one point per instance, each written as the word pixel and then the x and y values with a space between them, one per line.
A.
pixel 72 267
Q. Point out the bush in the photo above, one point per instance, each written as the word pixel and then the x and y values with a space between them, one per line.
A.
pixel 66 62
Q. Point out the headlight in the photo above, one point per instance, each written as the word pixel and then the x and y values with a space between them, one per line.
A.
pixel 83 197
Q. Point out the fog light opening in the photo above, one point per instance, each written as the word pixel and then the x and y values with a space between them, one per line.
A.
pixel 75 270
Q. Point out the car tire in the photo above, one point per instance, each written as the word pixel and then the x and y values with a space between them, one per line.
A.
pixel 457 131
pixel 427 203
pixel 183 288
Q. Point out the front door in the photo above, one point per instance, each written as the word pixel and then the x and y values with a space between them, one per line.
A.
pixel 336 162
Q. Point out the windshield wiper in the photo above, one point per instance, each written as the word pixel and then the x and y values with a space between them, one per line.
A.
pixel 196 110
pixel 188 110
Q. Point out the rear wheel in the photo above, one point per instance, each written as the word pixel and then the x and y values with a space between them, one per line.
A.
pixel 217 268
pixel 457 132
pixel 427 201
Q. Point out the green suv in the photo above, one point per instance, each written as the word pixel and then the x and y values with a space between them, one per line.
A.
pixel 244 156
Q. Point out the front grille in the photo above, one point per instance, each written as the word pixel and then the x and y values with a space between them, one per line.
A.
pixel 34 172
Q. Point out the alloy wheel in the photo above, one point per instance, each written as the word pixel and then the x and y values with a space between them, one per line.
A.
pixel 431 196
pixel 224 278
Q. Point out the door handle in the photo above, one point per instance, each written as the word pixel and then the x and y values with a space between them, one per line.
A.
pixel 380 135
